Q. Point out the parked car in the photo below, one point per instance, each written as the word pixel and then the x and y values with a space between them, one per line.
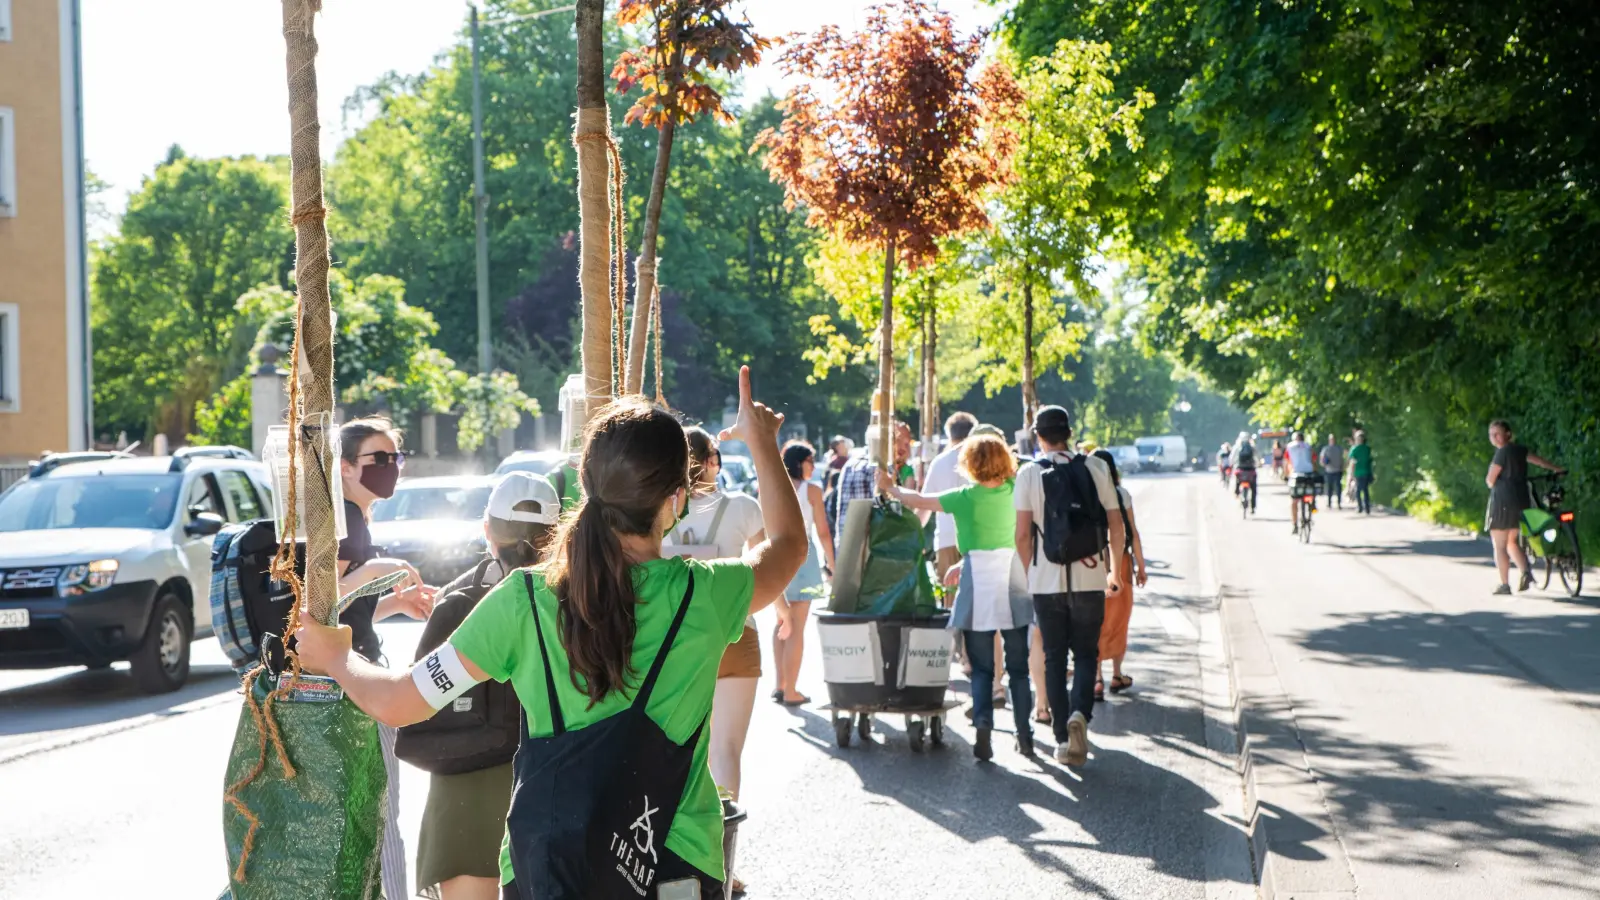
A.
pixel 538 462
pixel 1166 453
pixel 107 557
pixel 1127 457
pixel 436 524
pixel 738 474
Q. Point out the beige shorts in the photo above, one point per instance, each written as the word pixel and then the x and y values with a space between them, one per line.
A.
pixel 742 659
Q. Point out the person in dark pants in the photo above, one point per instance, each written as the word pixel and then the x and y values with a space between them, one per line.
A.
pixel 1332 460
pixel 1069 601
pixel 1361 471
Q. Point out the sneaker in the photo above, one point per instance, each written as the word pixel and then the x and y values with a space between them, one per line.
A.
pixel 1525 583
pixel 1502 589
pixel 982 749
pixel 1025 744
pixel 1061 752
pixel 1077 740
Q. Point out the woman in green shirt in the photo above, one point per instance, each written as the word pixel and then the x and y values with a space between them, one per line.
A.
pixel 613 651
pixel 993 596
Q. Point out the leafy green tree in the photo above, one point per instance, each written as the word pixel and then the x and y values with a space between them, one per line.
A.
pixel 196 235
pixel 226 417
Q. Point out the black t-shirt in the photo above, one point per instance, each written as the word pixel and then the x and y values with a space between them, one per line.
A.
pixel 1510 490
pixel 354 550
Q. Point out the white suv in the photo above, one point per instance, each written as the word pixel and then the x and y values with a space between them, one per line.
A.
pixel 107 557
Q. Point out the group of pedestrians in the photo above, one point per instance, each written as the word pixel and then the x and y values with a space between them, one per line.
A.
pixel 1338 470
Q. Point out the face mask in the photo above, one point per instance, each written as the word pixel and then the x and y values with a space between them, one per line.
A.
pixel 683 512
pixel 380 480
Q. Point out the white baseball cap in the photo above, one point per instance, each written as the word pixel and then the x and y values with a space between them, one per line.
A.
pixel 524 497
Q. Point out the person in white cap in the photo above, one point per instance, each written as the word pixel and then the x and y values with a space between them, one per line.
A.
pixel 469 745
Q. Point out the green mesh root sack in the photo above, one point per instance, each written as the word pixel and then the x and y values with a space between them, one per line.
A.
pixel 320 818
pixel 895 579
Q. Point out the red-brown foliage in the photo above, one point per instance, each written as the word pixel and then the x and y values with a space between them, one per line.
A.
pixel 895 134
pixel 689 37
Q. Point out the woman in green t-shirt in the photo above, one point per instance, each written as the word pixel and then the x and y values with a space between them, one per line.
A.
pixel 577 636
pixel 993 596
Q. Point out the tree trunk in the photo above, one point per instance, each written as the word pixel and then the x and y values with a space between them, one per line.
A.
pixel 314 329
pixel 886 361
pixel 930 373
pixel 594 211
pixel 1030 396
pixel 644 277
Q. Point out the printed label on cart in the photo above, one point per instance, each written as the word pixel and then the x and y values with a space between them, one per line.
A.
pixel 847 656
pixel 927 659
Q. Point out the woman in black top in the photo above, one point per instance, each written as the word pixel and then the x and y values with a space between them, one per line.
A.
pixel 369 468
pixel 1508 497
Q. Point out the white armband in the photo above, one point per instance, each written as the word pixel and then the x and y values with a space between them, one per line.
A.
pixel 441 677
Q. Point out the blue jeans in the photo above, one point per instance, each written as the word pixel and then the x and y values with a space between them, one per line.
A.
pixel 1335 485
pixel 1070 624
pixel 980 652
pixel 1364 493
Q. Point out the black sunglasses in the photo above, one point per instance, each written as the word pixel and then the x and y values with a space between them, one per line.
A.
pixel 382 458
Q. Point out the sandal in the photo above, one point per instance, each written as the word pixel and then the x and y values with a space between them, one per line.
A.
pixel 1120 683
pixel 777 695
pixel 800 702
pixel 735 886
pixel 1043 718
pixel 1099 691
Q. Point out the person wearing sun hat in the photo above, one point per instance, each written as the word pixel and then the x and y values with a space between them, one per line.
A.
pixel 458 847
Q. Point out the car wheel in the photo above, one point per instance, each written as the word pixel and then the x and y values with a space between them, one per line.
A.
pixel 161 664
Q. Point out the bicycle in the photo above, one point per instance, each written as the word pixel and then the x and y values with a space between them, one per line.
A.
pixel 1246 491
pixel 1551 532
pixel 1305 488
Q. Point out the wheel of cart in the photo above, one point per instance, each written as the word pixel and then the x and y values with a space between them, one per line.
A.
pixel 927 726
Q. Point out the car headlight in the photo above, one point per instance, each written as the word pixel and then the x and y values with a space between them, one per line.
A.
pixel 1550 535
pixel 86 577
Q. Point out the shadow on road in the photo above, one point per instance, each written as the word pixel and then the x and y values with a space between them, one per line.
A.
pixel 1554 651
pixel 85 698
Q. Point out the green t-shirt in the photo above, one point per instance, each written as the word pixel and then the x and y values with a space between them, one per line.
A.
pixel 499 636
pixel 985 517
pixel 1361 457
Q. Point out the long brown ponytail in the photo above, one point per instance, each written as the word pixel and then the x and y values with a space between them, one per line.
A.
pixel 634 458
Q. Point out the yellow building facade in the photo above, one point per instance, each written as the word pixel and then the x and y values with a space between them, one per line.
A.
pixel 44 335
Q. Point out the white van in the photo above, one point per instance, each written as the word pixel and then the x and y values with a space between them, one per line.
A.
pixel 1166 453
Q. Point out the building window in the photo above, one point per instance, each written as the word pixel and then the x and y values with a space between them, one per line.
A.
pixel 10 359
pixel 5 20
pixel 8 161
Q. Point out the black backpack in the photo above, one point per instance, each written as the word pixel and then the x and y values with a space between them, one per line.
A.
pixel 1244 457
pixel 480 728
pixel 1075 524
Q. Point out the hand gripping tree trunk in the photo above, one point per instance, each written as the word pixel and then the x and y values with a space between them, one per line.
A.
pixel 314 328
pixel 594 262
pixel 644 279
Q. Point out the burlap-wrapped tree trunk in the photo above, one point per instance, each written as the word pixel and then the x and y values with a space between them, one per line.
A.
pixel 886 362
pixel 594 211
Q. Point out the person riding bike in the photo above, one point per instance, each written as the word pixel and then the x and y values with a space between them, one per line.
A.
pixel 1225 462
pixel 1244 467
pixel 1302 468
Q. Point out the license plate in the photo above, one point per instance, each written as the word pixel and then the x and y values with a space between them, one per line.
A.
pixel 13 619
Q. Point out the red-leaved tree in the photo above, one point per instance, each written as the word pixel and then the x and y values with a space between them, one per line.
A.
pixel 892 142
pixel 687 39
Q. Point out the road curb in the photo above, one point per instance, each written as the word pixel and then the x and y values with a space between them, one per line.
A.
pixel 83 735
pixel 1271 760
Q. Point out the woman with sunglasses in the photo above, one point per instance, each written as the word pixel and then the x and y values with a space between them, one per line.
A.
pixel 369 467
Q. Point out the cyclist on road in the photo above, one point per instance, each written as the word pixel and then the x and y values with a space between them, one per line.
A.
pixel 1277 458
pixel 1244 467
pixel 1225 462
pixel 1508 497
pixel 1332 460
pixel 1298 459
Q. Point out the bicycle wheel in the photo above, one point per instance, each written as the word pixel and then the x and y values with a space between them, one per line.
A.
pixel 1305 523
pixel 1571 563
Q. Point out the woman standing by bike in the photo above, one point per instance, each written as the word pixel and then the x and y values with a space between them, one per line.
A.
pixel 613 650
pixel 1508 497
pixel 788 638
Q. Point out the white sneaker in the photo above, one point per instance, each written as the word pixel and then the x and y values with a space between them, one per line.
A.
pixel 1077 749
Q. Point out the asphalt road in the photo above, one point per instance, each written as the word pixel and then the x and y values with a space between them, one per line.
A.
pixel 122 792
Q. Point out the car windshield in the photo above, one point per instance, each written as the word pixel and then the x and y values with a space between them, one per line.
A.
pixel 538 465
pixel 1149 449
pixel 411 504
pixel 97 501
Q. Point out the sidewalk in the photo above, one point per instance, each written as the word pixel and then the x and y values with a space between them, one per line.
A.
pixel 1409 735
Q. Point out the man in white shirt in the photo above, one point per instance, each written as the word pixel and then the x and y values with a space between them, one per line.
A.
pixel 944 474
pixel 1069 601
pixel 1301 464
